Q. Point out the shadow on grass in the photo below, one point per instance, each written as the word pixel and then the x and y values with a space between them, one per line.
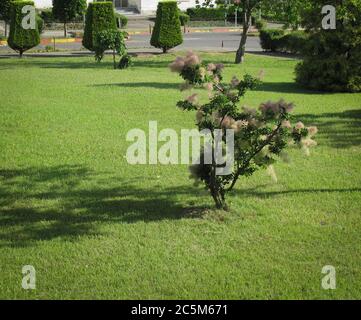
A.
pixel 257 191
pixel 48 203
pixel 338 130
pixel 153 85
pixel 66 202
pixel 287 87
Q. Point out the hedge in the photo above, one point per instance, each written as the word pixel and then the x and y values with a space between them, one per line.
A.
pixel 293 42
pixel 270 39
pixel 277 41
pixel 21 39
pixel 206 14
pixel 166 32
pixel 99 17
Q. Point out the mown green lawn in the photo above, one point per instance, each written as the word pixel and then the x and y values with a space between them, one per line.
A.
pixel 94 226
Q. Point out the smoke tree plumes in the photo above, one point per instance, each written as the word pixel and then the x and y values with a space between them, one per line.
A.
pixel 260 135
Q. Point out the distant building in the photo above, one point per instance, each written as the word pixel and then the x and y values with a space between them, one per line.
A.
pixel 146 7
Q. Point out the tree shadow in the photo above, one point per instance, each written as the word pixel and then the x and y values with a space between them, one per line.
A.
pixel 154 85
pixel 263 194
pixel 69 201
pixel 287 87
pixel 338 129
pixel 287 56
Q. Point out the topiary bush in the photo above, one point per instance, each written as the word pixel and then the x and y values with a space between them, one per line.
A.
pixel 166 33
pixel 21 39
pixel 99 17
pixel 270 39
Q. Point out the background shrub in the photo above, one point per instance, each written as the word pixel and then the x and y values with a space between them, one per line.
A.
pixel 332 58
pixel 122 20
pixel 270 39
pixel 39 24
pixel 206 14
pixel 184 18
pixel 325 68
pixel 47 15
pixel 166 32
pixel 293 42
pixel 99 17
pixel 125 62
pixel 278 41
pixel 21 39
pixel 260 24
pixel 109 40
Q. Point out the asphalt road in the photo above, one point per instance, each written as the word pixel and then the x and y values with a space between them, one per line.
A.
pixel 206 41
pixel 202 41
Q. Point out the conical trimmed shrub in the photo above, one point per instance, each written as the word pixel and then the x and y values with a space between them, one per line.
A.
pixel 167 32
pixel 21 39
pixel 99 17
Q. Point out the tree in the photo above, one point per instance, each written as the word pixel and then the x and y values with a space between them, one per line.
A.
pixel 21 39
pixel 5 6
pixel 167 32
pixel 288 12
pixel 109 40
pixel 248 6
pixel 260 137
pixel 67 10
pixel 99 17
pixel 332 57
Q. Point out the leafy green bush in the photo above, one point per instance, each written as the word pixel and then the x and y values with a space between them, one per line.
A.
pixel 40 24
pixel 332 58
pixel 21 39
pixel 260 24
pixel 99 17
pixel 166 32
pixel 270 39
pixel 5 10
pixel 278 41
pixel 122 20
pixel 125 62
pixel 206 14
pixel 184 18
pixel 293 42
pixel 47 15
pixel 325 68
pixel 109 40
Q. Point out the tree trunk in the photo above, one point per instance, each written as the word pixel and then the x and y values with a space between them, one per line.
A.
pixel 242 45
pixel 65 31
pixel 114 63
pixel 6 29
pixel 21 54
pixel 219 199
pixel 165 50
